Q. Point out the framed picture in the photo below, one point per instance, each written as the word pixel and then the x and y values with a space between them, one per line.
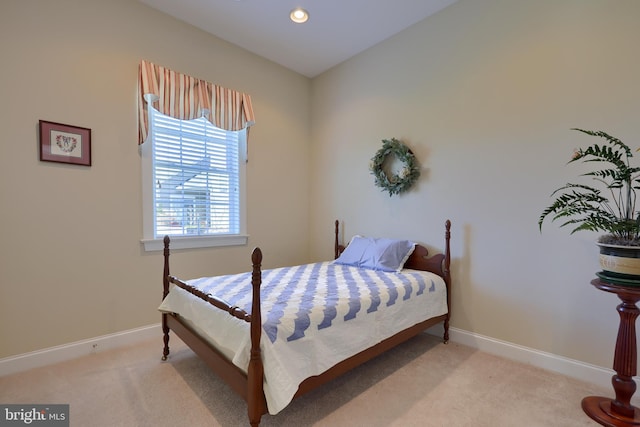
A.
pixel 65 144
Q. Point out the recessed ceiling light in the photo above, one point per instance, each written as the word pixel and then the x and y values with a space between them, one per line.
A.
pixel 299 15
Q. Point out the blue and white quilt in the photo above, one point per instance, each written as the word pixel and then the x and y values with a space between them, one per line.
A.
pixel 313 316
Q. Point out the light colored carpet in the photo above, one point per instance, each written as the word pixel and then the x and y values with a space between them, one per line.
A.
pixel 421 383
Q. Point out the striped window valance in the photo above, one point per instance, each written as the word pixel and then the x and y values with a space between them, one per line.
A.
pixel 184 97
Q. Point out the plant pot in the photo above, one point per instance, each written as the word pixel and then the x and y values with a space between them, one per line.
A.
pixel 620 263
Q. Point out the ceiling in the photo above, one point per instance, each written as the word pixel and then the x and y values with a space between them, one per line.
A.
pixel 336 29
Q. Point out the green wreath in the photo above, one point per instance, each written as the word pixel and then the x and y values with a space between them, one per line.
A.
pixel 402 181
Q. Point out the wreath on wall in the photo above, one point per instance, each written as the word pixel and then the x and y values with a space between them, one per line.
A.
pixel 395 183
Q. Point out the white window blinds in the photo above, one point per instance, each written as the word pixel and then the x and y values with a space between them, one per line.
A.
pixel 196 177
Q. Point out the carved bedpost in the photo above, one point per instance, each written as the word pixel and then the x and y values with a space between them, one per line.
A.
pixel 255 372
pixel 447 277
pixel 336 244
pixel 165 292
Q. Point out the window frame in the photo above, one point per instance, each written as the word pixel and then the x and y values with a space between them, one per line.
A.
pixel 153 243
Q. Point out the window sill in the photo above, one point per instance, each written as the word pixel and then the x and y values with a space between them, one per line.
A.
pixel 181 242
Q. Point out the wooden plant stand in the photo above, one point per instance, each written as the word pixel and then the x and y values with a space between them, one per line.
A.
pixel 619 412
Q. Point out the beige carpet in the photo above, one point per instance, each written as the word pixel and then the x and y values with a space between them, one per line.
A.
pixel 421 383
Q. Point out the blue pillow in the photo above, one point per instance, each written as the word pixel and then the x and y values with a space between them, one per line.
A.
pixel 376 253
pixel 353 253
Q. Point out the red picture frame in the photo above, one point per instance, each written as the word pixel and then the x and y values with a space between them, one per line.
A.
pixel 65 143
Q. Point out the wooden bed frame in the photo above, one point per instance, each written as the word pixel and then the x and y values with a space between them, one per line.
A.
pixel 249 385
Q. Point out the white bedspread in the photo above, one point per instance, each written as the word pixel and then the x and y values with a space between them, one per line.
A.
pixel 313 317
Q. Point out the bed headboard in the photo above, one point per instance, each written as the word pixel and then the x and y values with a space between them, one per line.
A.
pixel 419 259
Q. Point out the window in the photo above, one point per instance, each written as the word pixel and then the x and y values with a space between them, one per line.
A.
pixel 193 183
pixel 193 160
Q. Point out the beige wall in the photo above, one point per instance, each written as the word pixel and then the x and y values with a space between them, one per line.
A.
pixel 485 92
pixel 70 256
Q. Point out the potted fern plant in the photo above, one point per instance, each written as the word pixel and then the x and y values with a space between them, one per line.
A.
pixel 609 207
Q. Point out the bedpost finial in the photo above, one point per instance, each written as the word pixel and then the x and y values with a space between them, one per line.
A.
pixel 256 256
pixel 336 244
pixel 447 234
pixel 166 241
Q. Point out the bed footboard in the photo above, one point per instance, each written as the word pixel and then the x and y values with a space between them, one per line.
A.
pixel 249 386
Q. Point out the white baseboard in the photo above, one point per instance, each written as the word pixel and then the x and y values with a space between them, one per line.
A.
pixel 35 359
pixel 551 362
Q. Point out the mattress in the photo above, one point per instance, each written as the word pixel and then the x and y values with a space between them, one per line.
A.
pixel 313 317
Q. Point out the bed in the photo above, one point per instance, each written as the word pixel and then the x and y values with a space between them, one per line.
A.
pixel 273 335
